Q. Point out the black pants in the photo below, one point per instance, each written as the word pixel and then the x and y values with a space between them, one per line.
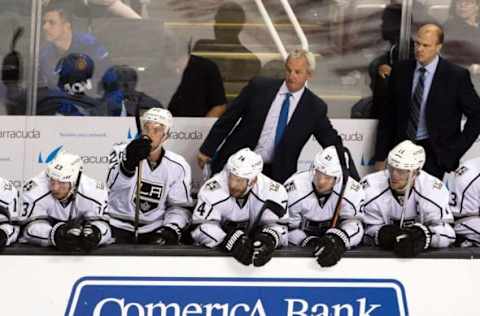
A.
pixel 431 163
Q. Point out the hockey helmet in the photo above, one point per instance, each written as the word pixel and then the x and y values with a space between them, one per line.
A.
pixel 74 73
pixel 159 116
pixel 327 162
pixel 406 156
pixel 245 164
pixel 119 77
pixel 65 167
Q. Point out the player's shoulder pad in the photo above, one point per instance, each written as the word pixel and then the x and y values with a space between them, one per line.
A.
pixel 374 184
pixel 92 188
pixel 7 186
pixel 429 185
pixel 213 191
pixel 37 185
pixel 177 161
pixel 270 189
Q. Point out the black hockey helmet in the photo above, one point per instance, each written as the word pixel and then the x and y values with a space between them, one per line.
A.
pixel 74 73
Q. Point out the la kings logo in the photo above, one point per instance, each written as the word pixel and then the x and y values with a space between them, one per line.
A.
pixel 150 195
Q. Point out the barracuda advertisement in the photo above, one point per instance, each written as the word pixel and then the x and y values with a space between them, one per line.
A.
pixel 103 296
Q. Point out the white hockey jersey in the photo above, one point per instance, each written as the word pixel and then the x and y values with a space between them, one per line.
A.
pixel 465 189
pixel 310 215
pixel 217 212
pixel 164 193
pixel 41 211
pixel 9 210
pixel 427 204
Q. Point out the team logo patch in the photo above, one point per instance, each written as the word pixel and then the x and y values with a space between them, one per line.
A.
pixel 290 187
pixel 150 195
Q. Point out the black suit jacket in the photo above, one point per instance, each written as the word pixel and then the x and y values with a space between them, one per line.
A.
pixel 252 106
pixel 451 95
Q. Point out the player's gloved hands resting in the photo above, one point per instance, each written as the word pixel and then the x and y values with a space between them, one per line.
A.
pixel 166 235
pixel 3 239
pixel 412 241
pixel 386 236
pixel 240 246
pixel 264 243
pixel 330 247
pixel 67 236
pixel 137 150
pixel 91 236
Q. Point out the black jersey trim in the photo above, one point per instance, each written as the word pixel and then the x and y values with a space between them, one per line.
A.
pixel 37 200
pixel 115 179
pixel 427 199
pixel 466 188
pixel 89 198
pixel 208 235
pixel 302 198
pixel 215 204
pixel 349 202
pixel 258 198
pixel 470 228
pixel 376 197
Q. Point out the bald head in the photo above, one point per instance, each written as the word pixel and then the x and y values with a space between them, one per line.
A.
pixel 428 42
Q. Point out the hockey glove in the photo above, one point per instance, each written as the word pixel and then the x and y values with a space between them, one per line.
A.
pixel 386 236
pixel 264 243
pixel 137 150
pixel 66 236
pixel 331 247
pixel 240 246
pixel 91 236
pixel 310 242
pixel 3 239
pixel 167 235
pixel 412 241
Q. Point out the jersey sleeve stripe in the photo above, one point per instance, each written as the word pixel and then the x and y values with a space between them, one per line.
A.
pixel 208 235
pixel 465 190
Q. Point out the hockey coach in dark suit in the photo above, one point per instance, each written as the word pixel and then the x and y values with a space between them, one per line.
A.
pixel 427 98
pixel 275 119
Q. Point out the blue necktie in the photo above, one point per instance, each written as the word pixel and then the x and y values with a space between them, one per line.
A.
pixel 283 118
pixel 416 105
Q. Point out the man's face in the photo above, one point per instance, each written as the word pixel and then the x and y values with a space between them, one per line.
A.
pixel 296 73
pixel 60 190
pixel 54 26
pixel 322 182
pixel 466 8
pixel 237 186
pixel 427 46
pixel 156 132
pixel 399 179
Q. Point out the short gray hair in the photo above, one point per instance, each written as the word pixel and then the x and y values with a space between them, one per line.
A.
pixel 309 57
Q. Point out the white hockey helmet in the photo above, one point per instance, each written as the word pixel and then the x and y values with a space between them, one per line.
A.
pixel 327 162
pixel 65 167
pixel 159 116
pixel 245 164
pixel 406 156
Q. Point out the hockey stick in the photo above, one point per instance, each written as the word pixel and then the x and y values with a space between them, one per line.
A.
pixel 139 178
pixel 405 199
pixel 345 176
pixel 73 207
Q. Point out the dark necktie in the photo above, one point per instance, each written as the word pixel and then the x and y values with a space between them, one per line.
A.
pixel 282 118
pixel 416 105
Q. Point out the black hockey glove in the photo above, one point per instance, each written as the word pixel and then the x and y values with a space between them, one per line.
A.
pixel 386 236
pixel 413 240
pixel 91 236
pixel 11 68
pixel 331 247
pixel 264 244
pixel 137 150
pixel 66 236
pixel 240 246
pixel 310 242
pixel 3 239
pixel 167 235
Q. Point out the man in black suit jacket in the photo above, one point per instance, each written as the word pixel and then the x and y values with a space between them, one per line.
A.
pixel 259 106
pixel 447 94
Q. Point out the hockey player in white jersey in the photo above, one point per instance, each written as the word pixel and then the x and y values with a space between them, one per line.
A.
pixel 64 208
pixel 242 211
pixel 164 190
pixel 9 216
pixel 465 203
pixel 406 209
pixel 312 199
